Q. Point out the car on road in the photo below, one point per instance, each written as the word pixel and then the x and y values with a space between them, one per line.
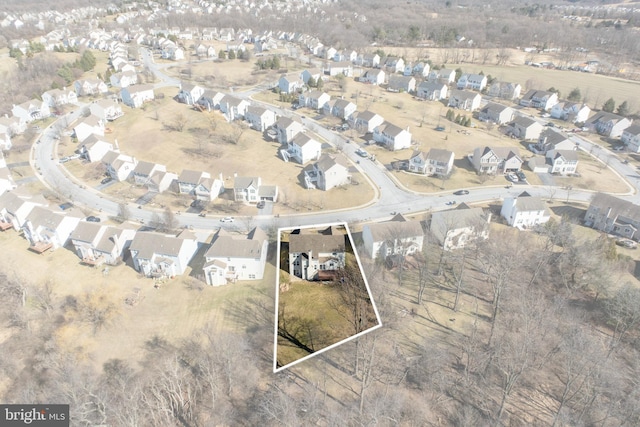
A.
pixel 226 219
pixel 106 180
pixel 360 152
pixel 93 219
pixel 618 148
pixel 451 203
pixel 461 192
pixel 440 128
pixel 260 204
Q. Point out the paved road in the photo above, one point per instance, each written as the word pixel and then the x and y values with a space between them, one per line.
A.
pixel 390 198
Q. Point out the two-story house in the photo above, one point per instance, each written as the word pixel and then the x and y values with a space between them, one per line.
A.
pixel 287 129
pixel 551 140
pixel 613 215
pixel 392 137
pixel 314 99
pixel 97 244
pixel 496 113
pixel 464 100
pixel 472 81
pixel 157 255
pixel 494 160
pixel 525 128
pixel 259 118
pixel 136 95
pixel 432 90
pixel 456 228
pixel 563 162
pixel 524 211
pixel 250 189
pixel 396 237
pixel 106 109
pixel 541 99
pixel 328 172
pixel 365 121
pixel 608 124
pixel 631 138
pixel 570 111
pixel 46 229
pixel 505 90
pixel 314 256
pixel 373 76
pixel 436 162
pixel 303 149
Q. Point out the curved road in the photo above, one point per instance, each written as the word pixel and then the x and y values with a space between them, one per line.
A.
pixel 390 197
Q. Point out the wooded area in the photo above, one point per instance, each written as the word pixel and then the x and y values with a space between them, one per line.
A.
pixel 521 329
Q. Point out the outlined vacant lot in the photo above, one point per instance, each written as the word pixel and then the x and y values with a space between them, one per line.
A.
pixel 323 299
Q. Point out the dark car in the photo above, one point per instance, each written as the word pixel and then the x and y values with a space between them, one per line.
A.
pixel 461 192
pixel 106 180
pixel 260 204
pixel 93 219
pixel 521 176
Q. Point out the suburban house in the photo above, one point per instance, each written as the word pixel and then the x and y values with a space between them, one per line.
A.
pixel 399 236
pixel 233 108
pixel 456 228
pixel 401 84
pixel 157 255
pixel 98 244
pixel 608 124
pixel 525 128
pixel 464 100
pixel 290 84
pixel 250 189
pixel 287 129
pixel 432 90
pixel 106 109
pixel 210 100
pixel 392 137
pixel 314 256
pixel 189 93
pixel 549 140
pixel 235 257
pixel 524 211
pixel 119 166
pixel 491 161
pixel 444 75
pixel 315 99
pixel 6 181
pixel 334 68
pixel 200 184
pixel 90 87
pixel 563 162
pixel 311 73
pixel 328 172
pixel 472 81
pixel 161 181
pixel 259 118
pixel 365 121
pixel 373 76
pixel 136 95
pixel 144 170
pixel 14 208
pixel 340 108
pixel 613 215
pixel 570 111
pixel 421 69
pixel 392 64
pixel 123 79
pixel 436 162
pixel 505 90
pixel 303 149
pixel 46 229
pixel 92 125
pixel 368 60
pixel 57 97
pixel 496 113
pixel 31 110
pixel 539 99
pixel 94 148
pixel 631 138
pixel 12 125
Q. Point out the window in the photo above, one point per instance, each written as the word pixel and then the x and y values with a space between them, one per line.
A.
pixel 252 276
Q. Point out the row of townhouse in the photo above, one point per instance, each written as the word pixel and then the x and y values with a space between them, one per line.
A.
pixel 230 257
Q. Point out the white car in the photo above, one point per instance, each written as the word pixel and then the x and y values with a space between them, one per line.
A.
pixel 226 219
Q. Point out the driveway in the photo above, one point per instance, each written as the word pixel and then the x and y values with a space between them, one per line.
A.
pixel 547 179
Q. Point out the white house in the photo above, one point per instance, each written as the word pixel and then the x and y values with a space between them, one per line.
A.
pixel 551 140
pixel 541 99
pixel 392 64
pixel 31 110
pixel 496 113
pixel 401 84
pixel 373 76
pixel 211 99
pixel 493 160
pixel 525 128
pixel 456 228
pixel 233 108
pixel 106 109
pixel 313 256
pixel 144 170
pixel 259 118
pixel 303 149
pixel 97 244
pixel 94 148
pixel 472 81
pixel 58 97
pixel 328 172
pixel 189 93
pixel 287 129
pixel 231 257
pixel 46 229
pixel 14 209
pixel 136 95
pixel 340 108
pixel 570 111
pixel 505 90
pixel 436 162
pixel 631 138
pixel 563 162
pixel 365 121
pixel 290 84
pixel 393 137
pixel 613 215
pixel 161 181
pixel 92 125
pixel 524 211
pixel 123 79
pixel 315 99
pixel 119 166
pixel 608 124
pixel 250 189
pixel 90 87
pixel 157 255
pixel 464 100
pixel 444 75
pixel 396 237
pixel 432 90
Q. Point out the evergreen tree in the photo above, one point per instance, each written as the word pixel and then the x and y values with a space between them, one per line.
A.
pixel 623 109
pixel 609 106
pixel 232 54
pixel 222 55
pixel 319 83
pixel 574 95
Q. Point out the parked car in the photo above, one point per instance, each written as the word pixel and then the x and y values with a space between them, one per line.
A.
pixel 260 204
pixel 626 243
pixel 521 176
pixel 226 219
pixel 93 219
pixel 106 180
pixel 66 206
pixel 461 192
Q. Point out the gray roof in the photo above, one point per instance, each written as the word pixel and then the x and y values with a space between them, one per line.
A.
pixel 390 129
pixel 397 228
pixel 246 246
pixel 530 203
pixel 552 137
pixel 523 121
pixel 633 130
pixel 143 168
pixel 444 221
pixel 190 176
pixel 246 182
pixel 439 155
pixel 86 231
pixel 302 139
pixel 494 107
pixel 148 243
pixel 463 94
pixel 316 243
pixel 619 207
pixel 328 161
